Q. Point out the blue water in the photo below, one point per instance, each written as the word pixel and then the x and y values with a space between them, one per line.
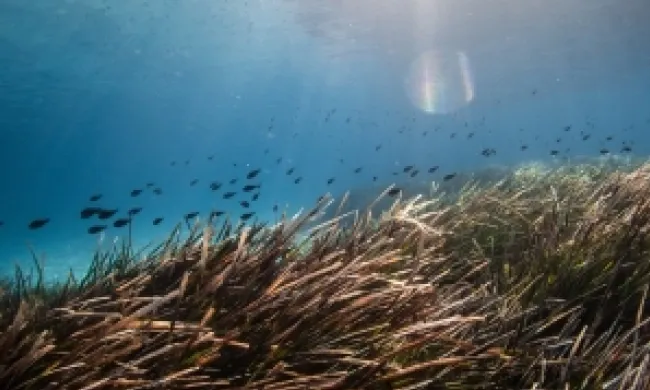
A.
pixel 100 96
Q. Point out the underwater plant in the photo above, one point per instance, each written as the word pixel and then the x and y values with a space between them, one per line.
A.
pixel 536 279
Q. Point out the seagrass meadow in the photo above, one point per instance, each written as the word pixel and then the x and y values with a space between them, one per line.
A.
pixel 534 280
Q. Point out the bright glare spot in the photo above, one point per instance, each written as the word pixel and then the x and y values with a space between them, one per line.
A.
pixel 440 83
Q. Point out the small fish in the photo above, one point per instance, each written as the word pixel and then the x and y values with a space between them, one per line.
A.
pixel 121 222
pixel 38 223
pixel 449 176
pixel 229 194
pixel 626 149
pixel 252 174
pixel 95 197
pixel 407 168
pixel 216 213
pixel 523 147
pixel 157 221
pixel 135 211
pixel 233 181
pixel 136 192
pixel 290 171
pixel 275 208
pixel 89 212
pixel 433 169
pixel 247 216
pixel 150 184
pixel 604 151
pixel 394 191
pixel 96 229
pixel 279 160
pixel 358 170
pixel 414 172
pixel 215 185
pixel 330 181
pixel 298 180
pixel 378 147
pixel 487 152
pixel 157 191
pixel 255 197
pixel 250 187
pixel 244 204
pixel 555 152
pixel 194 182
pixel 106 214
pixel 191 215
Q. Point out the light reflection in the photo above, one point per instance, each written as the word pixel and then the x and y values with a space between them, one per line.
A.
pixel 440 83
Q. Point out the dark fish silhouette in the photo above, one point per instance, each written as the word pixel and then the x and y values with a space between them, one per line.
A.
pixel 433 169
pixel 157 221
pixel 358 170
pixel 244 204
pixel 414 173
pixel 89 212
pixel 150 184
pixel 275 208
pixel 38 223
pixel 247 216
pixel 95 197
pixel 194 182
pixel 233 181
pixel 191 215
pixel 298 180
pixel 407 168
pixel 215 185
pixel 250 187
pixel 290 171
pixel 330 181
pixel 252 174
pixel 216 213
pixel 121 222
pixel 96 229
pixel 135 211
pixel 449 177
pixel 487 152
pixel 255 197
pixel 136 192
pixel 394 191
pixel 157 191
pixel 106 214
pixel 229 195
